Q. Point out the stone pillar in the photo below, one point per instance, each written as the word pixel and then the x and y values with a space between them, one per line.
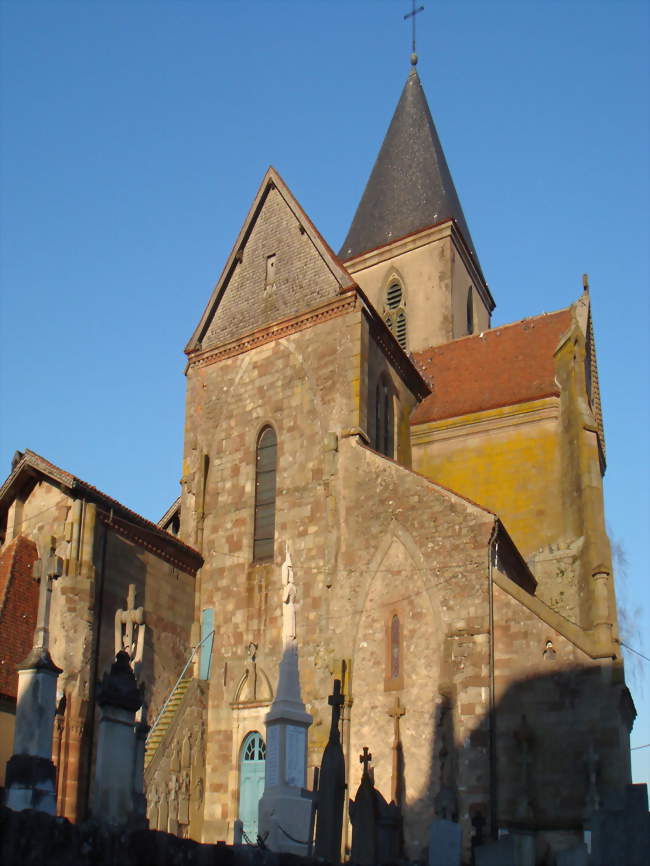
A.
pixel 285 807
pixel 119 697
pixel 31 775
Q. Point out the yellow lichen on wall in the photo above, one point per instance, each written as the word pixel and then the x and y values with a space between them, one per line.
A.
pixel 503 462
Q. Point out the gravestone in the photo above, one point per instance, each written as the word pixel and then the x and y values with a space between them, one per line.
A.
pixel 499 853
pixel 363 817
pixel 376 824
pixel 445 843
pixel 620 830
pixel 119 698
pixel 331 791
pixel 31 776
pixel 575 856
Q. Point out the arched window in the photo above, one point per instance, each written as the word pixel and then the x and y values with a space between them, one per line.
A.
pixel 265 471
pixel 470 311
pixel 394 668
pixel 394 648
pixel 383 418
pixel 395 312
pixel 251 781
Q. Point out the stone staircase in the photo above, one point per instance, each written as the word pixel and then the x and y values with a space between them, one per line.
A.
pixel 161 727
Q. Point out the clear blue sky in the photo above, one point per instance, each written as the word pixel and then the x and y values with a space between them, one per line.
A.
pixel 134 136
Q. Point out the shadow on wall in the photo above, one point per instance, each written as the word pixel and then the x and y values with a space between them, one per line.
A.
pixel 557 747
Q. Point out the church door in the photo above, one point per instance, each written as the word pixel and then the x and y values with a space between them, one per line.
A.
pixel 251 782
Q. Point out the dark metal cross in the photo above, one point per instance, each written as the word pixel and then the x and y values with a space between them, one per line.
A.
pixel 335 700
pixel 365 759
pixel 412 15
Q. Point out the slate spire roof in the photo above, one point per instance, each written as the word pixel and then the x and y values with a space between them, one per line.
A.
pixel 410 187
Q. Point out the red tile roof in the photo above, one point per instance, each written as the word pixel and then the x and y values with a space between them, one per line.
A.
pixel 18 609
pixel 501 367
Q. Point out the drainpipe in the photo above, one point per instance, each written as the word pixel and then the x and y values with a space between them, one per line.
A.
pixel 494 799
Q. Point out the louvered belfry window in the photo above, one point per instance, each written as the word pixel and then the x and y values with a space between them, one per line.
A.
pixel 395 313
pixel 265 472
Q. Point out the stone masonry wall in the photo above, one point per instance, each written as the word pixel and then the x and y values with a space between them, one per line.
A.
pixel 571 703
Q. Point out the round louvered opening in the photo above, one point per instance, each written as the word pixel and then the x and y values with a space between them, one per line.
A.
pixel 394 296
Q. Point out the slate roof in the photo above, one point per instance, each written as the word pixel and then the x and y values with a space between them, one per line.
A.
pixel 410 187
pixel 18 609
pixel 501 367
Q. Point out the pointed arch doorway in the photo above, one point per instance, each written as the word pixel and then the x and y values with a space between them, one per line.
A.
pixel 251 781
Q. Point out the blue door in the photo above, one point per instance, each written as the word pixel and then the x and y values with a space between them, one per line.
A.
pixel 251 782
pixel 205 657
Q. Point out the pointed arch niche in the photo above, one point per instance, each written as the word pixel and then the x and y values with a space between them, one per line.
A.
pixel 397 651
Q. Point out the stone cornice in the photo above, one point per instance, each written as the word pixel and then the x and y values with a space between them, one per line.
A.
pixel 486 421
pixel 179 555
pixel 398 247
pixel 339 306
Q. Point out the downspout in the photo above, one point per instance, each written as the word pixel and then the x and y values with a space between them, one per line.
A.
pixel 494 787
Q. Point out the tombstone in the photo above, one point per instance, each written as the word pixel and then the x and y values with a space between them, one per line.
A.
pixel 376 824
pixel 499 853
pixel 119 697
pixel 445 843
pixel 575 856
pixel 363 817
pixel 620 829
pixel 285 807
pixel 331 787
pixel 30 778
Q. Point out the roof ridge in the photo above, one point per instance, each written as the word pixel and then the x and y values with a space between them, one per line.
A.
pixel 76 481
pixel 488 331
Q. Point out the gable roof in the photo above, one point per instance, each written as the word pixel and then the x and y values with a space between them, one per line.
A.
pixel 271 181
pixel 410 186
pixel 500 367
pixel 28 466
pixel 18 610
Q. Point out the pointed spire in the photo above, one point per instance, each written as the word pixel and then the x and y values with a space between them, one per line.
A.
pixel 410 187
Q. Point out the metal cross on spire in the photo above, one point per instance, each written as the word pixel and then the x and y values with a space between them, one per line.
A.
pixel 411 15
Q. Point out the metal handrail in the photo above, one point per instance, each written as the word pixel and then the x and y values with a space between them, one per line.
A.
pixel 182 676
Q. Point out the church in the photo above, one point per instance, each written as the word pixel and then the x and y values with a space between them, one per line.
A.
pixel 437 486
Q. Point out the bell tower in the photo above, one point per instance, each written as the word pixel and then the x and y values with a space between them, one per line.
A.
pixel 409 247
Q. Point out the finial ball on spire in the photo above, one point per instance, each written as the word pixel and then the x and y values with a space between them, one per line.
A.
pixel 414 59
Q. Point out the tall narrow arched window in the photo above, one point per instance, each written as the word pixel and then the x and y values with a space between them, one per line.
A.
pixel 383 417
pixel 265 472
pixel 470 311
pixel 395 312
pixel 394 669
pixel 394 648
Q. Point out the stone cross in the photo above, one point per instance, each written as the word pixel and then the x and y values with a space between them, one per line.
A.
pixel 398 769
pixel 396 714
pixel 126 622
pixel 45 570
pixel 365 759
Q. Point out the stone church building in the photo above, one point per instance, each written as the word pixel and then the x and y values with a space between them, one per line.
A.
pixel 438 485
